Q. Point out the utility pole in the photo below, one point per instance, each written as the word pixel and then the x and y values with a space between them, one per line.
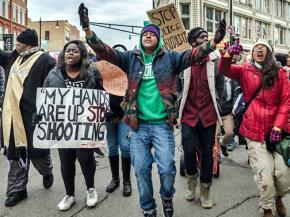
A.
pixel 40 32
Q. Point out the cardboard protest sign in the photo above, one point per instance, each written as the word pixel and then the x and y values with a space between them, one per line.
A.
pixel 114 79
pixel 71 118
pixel 172 28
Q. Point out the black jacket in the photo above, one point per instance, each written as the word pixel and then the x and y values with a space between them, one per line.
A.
pixel 35 79
pixel 226 96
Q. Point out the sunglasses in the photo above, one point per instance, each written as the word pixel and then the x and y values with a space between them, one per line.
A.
pixel 256 49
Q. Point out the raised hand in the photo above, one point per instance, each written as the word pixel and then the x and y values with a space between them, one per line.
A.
pixel 84 16
pixel 220 32
pixel 236 48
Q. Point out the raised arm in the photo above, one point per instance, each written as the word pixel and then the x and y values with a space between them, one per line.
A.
pixel 185 59
pixel 102 50
pixel 225 64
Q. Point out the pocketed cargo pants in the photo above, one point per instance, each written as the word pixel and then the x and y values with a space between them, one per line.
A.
pixel 271 174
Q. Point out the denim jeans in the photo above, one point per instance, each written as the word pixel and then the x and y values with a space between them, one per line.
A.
pixel 193 139
pixel 160 137
pixel 117 136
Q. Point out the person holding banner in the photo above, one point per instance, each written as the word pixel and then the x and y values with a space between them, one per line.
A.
pixel 26 68
pixel 149 104
pixel 266 86
pixel 74 71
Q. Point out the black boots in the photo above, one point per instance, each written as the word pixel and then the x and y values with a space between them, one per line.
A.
pixel 126 167
pixel 15 198
pixel 114 163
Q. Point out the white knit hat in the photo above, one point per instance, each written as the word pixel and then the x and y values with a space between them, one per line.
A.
pixel 262 43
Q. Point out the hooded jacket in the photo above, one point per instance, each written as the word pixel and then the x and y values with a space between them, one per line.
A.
pixel 166 65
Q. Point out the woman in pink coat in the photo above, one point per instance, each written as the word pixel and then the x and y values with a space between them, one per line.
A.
pixel 266 114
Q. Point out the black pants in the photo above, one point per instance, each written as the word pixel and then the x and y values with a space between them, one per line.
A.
pixel 194 139
pixel 68 167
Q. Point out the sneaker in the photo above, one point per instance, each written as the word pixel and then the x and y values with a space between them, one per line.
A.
pixel 189 193
pixel 99 152
pixel 150 213
pixel 66 203
pixel 167 209
pixel 92 197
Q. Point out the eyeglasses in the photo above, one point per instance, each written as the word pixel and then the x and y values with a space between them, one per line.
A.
pixel 256 49
pixel 203 36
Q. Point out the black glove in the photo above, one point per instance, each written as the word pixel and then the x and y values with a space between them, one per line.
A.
pixel 36 118
pixel 223 131
pixel 220 32
pixel 109 116
pixel 84 16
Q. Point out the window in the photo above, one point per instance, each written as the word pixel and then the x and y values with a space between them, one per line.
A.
pixel 279 35
pixel 263 5
pixel 288 11
pixel 262 30
pixel 243 26
pixel 23 17
pixel 19 15
pixel 280 8
pixel 1 9
pixel 212 18
pixel 46 35
pixel 67 35
pixel 14 13
pixel 185 15
pixel 6 9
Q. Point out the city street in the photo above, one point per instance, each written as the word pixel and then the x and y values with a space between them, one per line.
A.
pixel 234 193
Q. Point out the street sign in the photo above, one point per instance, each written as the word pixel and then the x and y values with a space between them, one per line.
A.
pixel 8 42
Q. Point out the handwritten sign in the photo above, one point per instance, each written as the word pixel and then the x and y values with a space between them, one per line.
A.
pixel 114 79
pixel 172 28
pixel 71 118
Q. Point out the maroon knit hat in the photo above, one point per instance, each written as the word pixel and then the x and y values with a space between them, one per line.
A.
pixel 151 28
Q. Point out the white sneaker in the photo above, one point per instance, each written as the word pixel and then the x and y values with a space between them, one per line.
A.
pixel 66 203
pixel 92 197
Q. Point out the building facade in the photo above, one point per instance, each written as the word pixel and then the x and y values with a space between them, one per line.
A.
pixel 54 34
pixel 13 16
pixel 253 20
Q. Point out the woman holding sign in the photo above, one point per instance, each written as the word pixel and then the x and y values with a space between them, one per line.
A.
pixel 74 71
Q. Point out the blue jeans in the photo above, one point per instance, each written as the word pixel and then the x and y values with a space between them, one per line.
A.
pixel 160 137
pixel 117 136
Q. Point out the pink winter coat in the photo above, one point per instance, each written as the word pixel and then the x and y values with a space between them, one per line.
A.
pixel 270 107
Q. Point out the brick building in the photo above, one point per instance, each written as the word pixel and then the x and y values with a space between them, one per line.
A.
pixel 13 16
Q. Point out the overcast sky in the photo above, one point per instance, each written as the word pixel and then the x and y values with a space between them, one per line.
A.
pixel 129 12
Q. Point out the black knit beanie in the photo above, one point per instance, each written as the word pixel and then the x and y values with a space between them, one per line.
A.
pixel 29 37
pixel 194 33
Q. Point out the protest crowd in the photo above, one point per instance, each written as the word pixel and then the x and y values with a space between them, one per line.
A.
pixel 221 94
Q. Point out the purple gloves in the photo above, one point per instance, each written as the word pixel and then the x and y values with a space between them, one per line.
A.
pixel 275 136
pixel 236 48
pixel 84 16
pixel 220 32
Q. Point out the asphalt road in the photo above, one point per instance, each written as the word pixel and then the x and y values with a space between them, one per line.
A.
pixel 234 193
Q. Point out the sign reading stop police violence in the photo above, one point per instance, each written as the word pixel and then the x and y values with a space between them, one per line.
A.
pixel 173 31
pixel 71 118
